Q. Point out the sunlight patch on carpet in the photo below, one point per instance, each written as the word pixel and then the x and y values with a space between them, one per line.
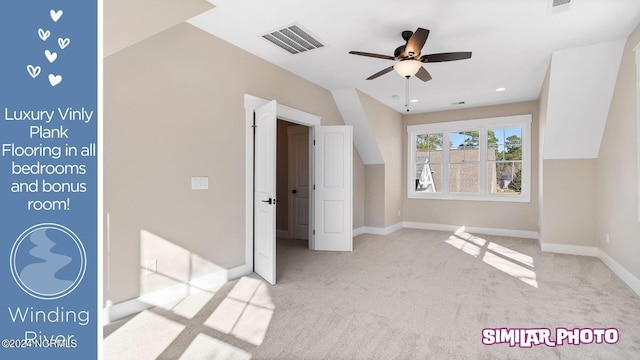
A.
pixel 245 313
pixel 205 347
pixel 192 304
pixel 463 245
pixel 519 272
pixel 143 337
pixel 507 260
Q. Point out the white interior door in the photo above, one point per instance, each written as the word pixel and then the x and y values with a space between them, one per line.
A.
pixel 298 148
pixel 333 195
pixel 264 227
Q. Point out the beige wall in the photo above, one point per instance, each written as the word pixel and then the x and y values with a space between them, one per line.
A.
pixel 568 206
pixel 487 214
pixel 173 110
pixel 127 22
pixel 358 190
pixel 617 172
pixel 386 125
pixel 374 195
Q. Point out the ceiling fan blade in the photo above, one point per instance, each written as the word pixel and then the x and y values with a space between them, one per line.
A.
pixel 440 57
pixel 380 73
pixel 423 74
pixel 416 42
pixel 387 57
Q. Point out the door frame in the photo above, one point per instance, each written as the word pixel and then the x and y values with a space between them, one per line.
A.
pixel 284 113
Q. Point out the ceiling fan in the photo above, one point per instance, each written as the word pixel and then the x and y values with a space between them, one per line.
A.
pixel 409 62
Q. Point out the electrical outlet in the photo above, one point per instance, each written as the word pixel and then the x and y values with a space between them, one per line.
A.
pixel 398 213
pixel 607 238
pixel 151 267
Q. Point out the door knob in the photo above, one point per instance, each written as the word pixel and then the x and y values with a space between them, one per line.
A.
pixel 294 191
pixel 270 201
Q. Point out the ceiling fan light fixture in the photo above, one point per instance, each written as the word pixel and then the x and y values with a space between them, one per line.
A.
pixel 407 68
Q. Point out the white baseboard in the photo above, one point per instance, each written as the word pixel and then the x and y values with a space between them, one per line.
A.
pixel 624 274
pixel 239 271
pixel 539 241
pixel 476 230
pixel 569 249
pixel 383 231
pixel 358 231
pixel 282 234
pixel 211 282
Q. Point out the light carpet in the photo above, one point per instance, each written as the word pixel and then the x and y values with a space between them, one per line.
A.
pixel 414 294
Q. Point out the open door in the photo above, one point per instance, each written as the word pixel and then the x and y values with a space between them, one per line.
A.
pixel 264 227
pixel 333 195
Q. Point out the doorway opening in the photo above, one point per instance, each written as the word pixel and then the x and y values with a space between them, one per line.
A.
pixel 330 181
pixel 292 181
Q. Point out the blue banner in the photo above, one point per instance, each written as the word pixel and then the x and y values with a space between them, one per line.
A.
pixel 48 179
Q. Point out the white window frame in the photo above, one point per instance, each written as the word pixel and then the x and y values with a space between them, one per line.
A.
pixel 483 126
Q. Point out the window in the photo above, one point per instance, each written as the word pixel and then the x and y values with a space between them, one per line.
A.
pixel 484 159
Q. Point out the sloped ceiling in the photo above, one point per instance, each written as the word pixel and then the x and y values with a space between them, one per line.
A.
pixel 581 86
pixel 351 110
pixel 125 22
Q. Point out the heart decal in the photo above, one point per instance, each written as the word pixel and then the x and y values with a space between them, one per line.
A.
pixel 55 79
pixel 55 15
pixel 34 71
pixel 63 43
pixel 51 56
pixel 44 34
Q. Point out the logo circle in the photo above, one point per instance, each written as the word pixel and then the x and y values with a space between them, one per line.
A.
pixel 48 261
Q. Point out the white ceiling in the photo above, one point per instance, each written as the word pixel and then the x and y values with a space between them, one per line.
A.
pixel 511 41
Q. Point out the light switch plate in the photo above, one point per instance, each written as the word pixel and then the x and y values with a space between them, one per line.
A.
pixel 199 183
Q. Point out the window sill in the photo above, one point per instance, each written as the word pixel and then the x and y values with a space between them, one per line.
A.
pixel 522 198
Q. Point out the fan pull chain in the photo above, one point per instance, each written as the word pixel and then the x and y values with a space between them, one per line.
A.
pixel 406 95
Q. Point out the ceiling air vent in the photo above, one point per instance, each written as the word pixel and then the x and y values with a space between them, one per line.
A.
pixel 559 2
pixel 293 39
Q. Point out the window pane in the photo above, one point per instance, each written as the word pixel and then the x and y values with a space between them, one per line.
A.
pixel 513 152
pixel 466 138
pixel 472 138
pixel 428 177
pixel 506 144
pixel 429 142
pixel 471 153
pixel 463 178
pixel 504 177
pixel 495 137
pixel 456 139
pixel 492 152
pixel 464 146
pixel 513 135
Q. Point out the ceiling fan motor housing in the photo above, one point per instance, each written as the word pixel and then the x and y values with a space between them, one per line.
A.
pixel 406 35
pixel 399 50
